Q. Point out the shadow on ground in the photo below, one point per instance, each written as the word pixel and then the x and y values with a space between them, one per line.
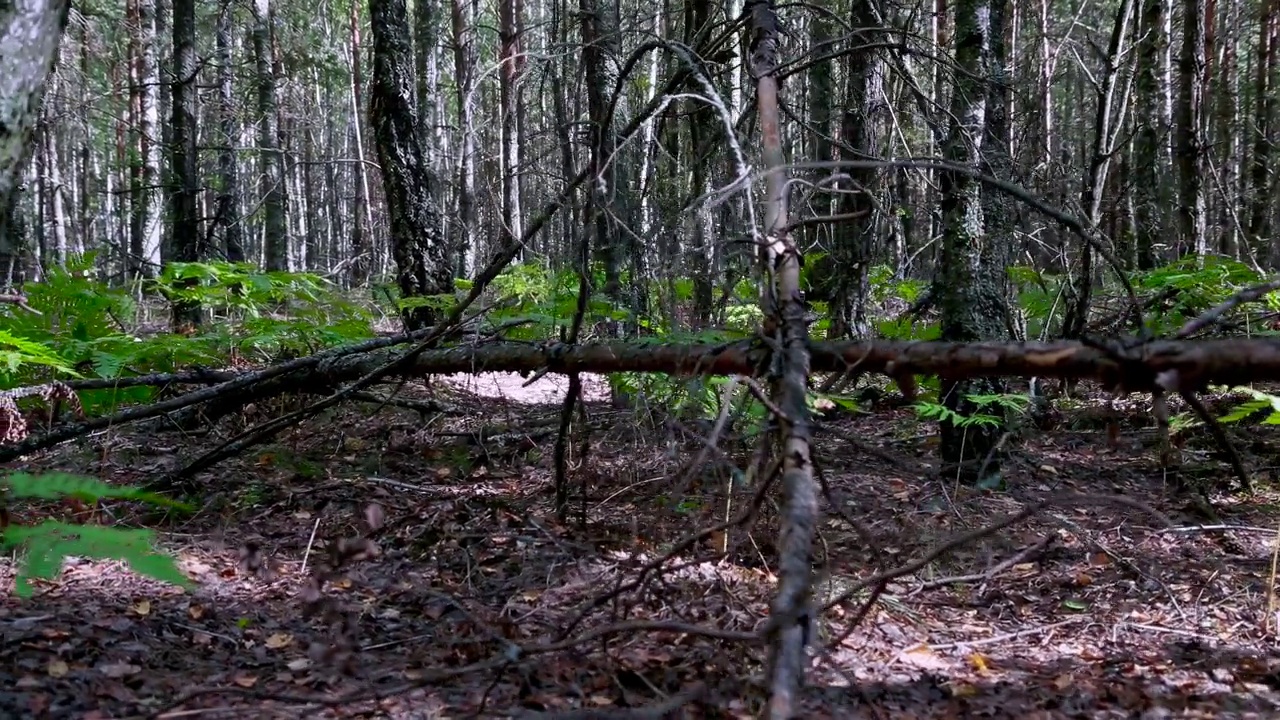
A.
pixel 483 603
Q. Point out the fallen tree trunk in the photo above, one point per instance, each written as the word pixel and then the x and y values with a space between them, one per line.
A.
pixel 1185 364
pixel 1226 361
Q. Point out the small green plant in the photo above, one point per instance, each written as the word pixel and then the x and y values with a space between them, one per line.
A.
pixel 17 353
pixel 84 326
pixel 45 546
pixel 1195 283
pixel 1258 402
pixel 1005 402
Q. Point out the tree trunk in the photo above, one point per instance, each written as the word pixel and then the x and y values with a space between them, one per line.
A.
pixel 600 58
pixel 1261 199
pixel 276 236
pixel 188 245
pixel 1151 135
pixel 511 76
pixel 30 31
pixel 361 248
pixel 704 142
pixel 1093 187
pixel 854 238
pixel 227 216
pixel 462 14
pixel 1191 147
pixel 969 282
pixel 423 266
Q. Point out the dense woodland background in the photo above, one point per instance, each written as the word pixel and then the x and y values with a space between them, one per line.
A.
pixel 259 201
pixel 1154 121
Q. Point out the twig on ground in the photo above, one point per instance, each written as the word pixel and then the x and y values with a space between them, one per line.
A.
pixel 1218 528
pixel 746 515
pixel 987 575
pixel 656 711
pixel 512 654
pixel 994 639
pixel 421 406
pixel 967 537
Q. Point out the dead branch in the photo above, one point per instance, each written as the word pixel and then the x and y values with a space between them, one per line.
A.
pixel 422 407
pixel 1234 361
pixel 20 301
pixel 194 376
pixel 788 628
pixel 1023 555
pixel 1220 436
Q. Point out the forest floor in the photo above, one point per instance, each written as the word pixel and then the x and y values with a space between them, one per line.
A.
pixel 483 604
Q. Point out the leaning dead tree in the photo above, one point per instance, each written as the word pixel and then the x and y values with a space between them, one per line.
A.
pixel 786 330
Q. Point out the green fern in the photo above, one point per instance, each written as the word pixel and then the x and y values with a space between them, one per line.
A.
pixel 21 351
pixel 50 543
pixel 54 485
pixel 47 545
pixel 927 410
pixel 1259 402
pixel 1007 402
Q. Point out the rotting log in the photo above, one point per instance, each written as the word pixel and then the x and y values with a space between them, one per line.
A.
pixel 1183 364
pixel 1224 361
pixel 1194 363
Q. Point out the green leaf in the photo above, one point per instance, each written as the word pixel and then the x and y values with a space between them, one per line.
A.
pixel 47 545
pixel 54 485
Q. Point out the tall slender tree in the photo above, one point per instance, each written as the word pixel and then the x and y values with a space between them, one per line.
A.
pixel 30 33
pixel 188 244
pixel 423 260
pixel 271 156
pixel 969 280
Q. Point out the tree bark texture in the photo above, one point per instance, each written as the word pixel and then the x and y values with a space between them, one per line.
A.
pixel 188 245
pixel 423 265
pixel 30 32
pixel 969 283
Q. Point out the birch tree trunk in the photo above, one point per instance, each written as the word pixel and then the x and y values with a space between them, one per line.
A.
pixel 512 62
pixel 423 266
pixel 462 14
pixel 30 32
